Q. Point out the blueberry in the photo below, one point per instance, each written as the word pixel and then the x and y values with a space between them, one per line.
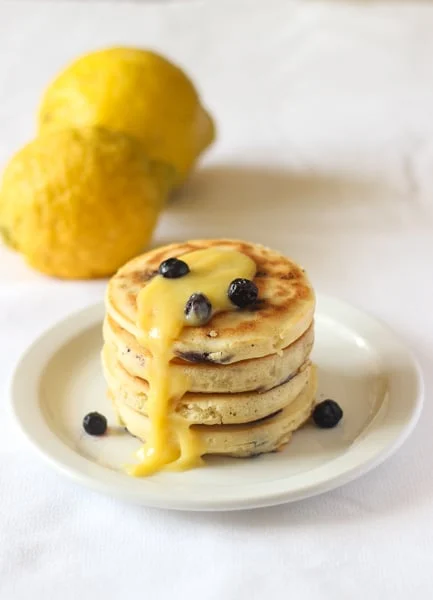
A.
pixel 198 310
pixel 95 424
pixel 172 268
pixel 243 292
pixel 327 414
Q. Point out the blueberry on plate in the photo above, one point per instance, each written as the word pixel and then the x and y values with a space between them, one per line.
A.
pixel 95 424
pixel 198 310
pixel 243 292
pixel 173 268
pixel 327 414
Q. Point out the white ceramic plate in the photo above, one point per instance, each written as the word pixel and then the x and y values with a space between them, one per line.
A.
pixel 362 365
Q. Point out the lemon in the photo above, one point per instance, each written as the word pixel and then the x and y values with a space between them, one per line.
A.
pixel 137 92
pixel 80 203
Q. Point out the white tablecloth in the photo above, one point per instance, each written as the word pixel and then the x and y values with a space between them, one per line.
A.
pixel 325 151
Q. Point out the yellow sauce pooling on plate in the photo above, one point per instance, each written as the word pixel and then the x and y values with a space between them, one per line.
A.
pixel 161 304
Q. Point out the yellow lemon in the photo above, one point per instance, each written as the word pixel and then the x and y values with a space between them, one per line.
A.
pixel 137 92
pixel 78 203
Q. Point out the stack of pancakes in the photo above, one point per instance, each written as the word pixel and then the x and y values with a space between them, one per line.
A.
pixel 251 381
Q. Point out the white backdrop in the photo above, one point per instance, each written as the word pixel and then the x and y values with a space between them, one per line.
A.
pixel 325 151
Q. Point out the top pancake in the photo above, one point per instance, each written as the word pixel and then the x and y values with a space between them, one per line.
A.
pixel 282 314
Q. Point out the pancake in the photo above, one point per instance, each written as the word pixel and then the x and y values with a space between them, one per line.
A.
pixel 283 313
pixel 244 440
pixel 208 409
pixel 258 374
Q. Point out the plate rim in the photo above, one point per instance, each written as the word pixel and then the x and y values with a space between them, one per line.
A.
pixel 84 471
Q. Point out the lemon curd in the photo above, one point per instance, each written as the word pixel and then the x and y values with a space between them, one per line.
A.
pixel 161 305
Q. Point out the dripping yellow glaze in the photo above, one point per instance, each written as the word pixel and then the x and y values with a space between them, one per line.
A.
pixel 171 442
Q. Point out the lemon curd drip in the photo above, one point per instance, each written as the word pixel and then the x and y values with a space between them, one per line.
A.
pixel 161 304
